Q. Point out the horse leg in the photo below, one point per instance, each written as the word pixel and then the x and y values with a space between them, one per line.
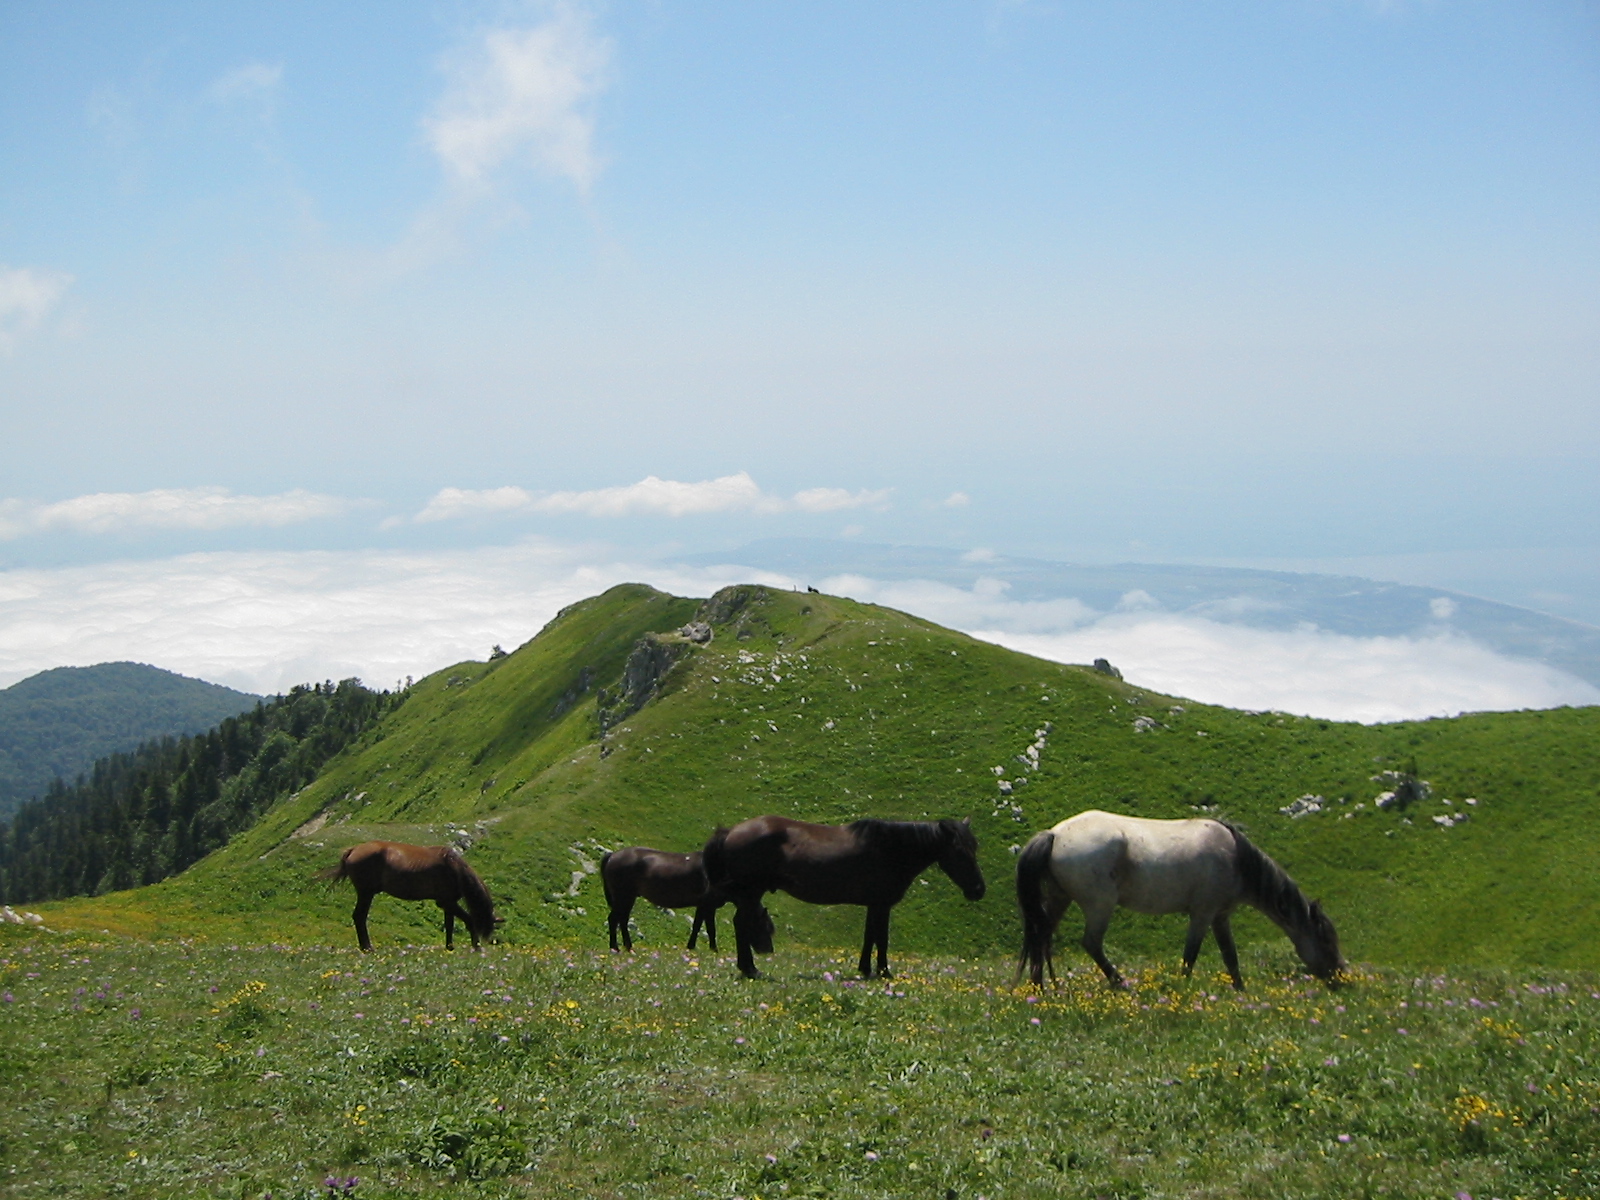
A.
pixel 882 938
pixel 1095 923
pixel 1198 924
pixel 363 906
pixel 449 926
pixel 1230 954
pixel 472 930
pixel 705 915
pixel 618 921
pixel 745 918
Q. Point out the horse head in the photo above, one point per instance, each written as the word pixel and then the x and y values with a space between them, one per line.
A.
pixel 958 857
pixel 1317 943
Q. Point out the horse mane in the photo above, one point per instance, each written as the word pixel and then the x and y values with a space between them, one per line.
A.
pixel 928 837
pixel 1268 887
pixel 473 890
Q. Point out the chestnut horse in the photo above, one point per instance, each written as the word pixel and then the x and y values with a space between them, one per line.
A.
pixel 867 862
pixel 1197 866
pixel 436 873
pixel 667 880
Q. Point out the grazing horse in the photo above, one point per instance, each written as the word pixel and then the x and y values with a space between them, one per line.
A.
pixel 1202 867
pixel 670 881
pixel 434 873
pixel 867 862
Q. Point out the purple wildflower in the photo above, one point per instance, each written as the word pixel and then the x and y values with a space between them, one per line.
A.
pixel 1345 1138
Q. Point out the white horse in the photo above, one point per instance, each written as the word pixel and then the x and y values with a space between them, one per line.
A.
pixel 1201 867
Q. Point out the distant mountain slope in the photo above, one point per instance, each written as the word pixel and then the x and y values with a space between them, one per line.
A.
pixel 57 723
pixel 1277 600
pixel 609 729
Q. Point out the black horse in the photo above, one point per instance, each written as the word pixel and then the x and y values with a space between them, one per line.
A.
pixel 867 862
pixel 671 881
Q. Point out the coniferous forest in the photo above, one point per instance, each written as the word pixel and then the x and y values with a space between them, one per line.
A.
pixel 141 816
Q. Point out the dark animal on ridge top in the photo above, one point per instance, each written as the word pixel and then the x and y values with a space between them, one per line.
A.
pixel 436 873
pixel 1202 867
pixel 670 881
pixel 868 862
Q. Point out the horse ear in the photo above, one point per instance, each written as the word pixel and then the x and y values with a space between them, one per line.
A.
pixel 966 822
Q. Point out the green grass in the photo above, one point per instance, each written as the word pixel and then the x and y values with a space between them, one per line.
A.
pixel 196 1068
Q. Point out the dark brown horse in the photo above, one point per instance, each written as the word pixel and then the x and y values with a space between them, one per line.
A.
pixel 434 873
pixel 868 862
pixel 670 881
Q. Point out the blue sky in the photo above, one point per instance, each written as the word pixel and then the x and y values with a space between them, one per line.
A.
pixel 1280 282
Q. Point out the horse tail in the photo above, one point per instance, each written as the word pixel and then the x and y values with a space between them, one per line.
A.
pixel 339 871
pixel 605 881
pixel 715 862
pixel 1033 864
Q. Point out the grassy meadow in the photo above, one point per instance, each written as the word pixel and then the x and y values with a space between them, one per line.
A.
pixel 217 1034
pixel 188 1068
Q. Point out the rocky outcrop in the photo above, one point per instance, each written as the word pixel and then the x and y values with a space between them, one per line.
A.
pixel 652 657
pixel 1105 668
pixel 737 606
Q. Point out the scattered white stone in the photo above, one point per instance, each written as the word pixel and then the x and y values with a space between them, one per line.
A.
pixel 1143 724
pixel 1384 800
pixel 1005 787
pixel 1303 807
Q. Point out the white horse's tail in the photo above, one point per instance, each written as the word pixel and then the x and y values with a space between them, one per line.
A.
pixel 1033 864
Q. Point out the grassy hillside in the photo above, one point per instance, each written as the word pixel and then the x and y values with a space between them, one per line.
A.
pixel 55 724
pixel 829 710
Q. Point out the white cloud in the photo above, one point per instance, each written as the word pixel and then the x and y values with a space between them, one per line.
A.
pixel 27 297
pixel 663 497
pixel 251 82
pixel 265 621
pixel 651 496
pixel 450 503
pixel 1309 671
pixel 164 508
pixel 823 499
pixel 1442 608
pixel 523 95
pixel 957 500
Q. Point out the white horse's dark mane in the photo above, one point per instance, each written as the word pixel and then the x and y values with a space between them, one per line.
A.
pixel 1268 887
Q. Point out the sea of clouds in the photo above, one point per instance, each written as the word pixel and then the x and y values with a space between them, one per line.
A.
pixel 264 621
